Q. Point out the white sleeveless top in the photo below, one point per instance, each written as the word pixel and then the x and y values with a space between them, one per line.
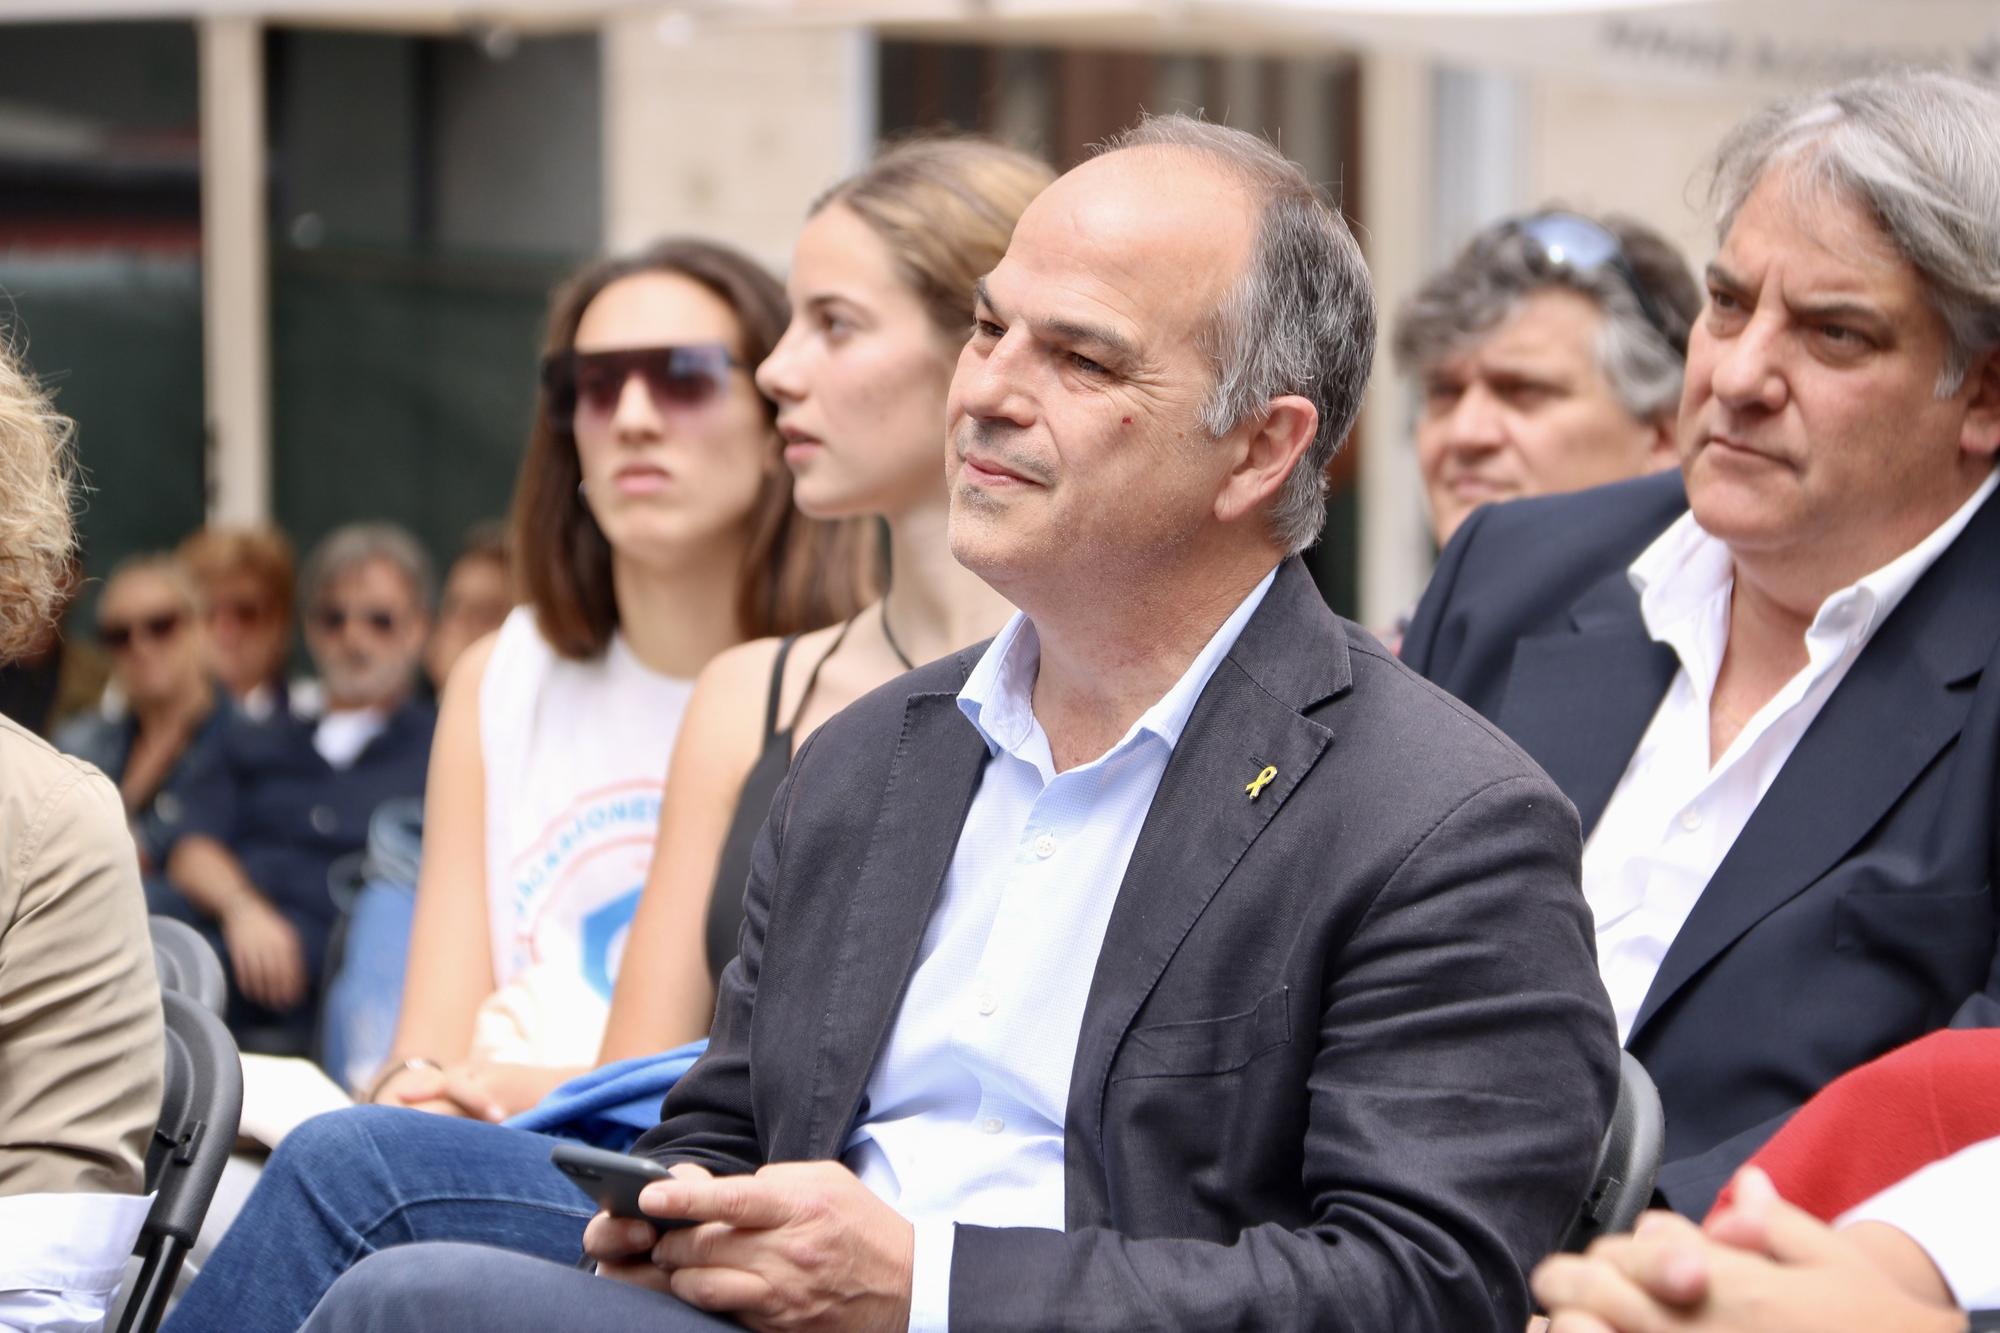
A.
pixel 575 755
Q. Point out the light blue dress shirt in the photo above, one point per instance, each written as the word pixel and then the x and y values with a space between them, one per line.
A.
pixel 965 1109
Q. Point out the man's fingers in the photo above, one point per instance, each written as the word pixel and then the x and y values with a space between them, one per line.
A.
pixel 609 1239
pixel 723 1291
pixel 1667 1257
pixel 741 1201
pixel 1568 1285
pixel 640 1274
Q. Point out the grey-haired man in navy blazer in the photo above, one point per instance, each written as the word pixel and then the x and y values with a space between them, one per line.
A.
pixel 1176 960
pixel 1768 681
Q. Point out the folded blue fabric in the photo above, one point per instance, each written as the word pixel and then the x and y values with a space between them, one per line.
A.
pixel 611 1106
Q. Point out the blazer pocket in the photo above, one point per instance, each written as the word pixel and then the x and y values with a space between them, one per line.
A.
pixel 1918 928
pixel 1207 1045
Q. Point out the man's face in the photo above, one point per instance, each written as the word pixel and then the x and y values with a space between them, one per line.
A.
pixel 1810 430
pixel 1526 410
pixel 1077 456
pixel 365 633
pixel 477 596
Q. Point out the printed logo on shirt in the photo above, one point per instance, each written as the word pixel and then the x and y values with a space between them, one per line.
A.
pixel 576 887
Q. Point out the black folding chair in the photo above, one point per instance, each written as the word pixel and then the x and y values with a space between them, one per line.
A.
pixel 1628 1161
pixel 197 1128
pixel 187 965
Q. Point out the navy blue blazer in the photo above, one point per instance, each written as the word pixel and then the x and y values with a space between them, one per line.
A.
pixel 1345 1060
pixel 1857 909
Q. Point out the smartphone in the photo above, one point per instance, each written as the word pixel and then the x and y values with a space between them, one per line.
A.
pixel 614 1180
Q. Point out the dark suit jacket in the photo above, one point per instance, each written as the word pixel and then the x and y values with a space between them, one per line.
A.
pixel 1345 1059
pixel 1856 911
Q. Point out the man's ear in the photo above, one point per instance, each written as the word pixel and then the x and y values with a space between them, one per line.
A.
pixel 1979 434
pixel 1273 447
pixel 1662 450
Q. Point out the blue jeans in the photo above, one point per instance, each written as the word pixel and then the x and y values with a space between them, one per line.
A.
pixel 345 1185
pixel 466 1286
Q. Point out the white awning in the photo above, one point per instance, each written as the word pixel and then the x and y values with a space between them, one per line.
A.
pixel 1688 42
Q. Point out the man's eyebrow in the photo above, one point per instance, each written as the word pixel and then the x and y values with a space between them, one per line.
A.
pixel 1721 277
pixel 1115 345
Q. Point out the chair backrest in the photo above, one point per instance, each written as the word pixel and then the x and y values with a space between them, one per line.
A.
pixel 1628 1161
pixel 187 965
pixel 199 1112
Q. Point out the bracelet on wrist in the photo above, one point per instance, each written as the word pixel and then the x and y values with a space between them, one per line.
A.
pixel 383 1079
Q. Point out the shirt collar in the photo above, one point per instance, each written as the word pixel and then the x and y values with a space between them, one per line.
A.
pixel 1686 567
pixel 998 697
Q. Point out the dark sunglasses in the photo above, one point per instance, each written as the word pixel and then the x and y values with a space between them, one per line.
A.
pixel 1576 244
pixel 333 619
pixel 681 378
pixel 118 635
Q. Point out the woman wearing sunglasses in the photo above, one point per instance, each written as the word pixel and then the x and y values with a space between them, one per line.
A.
pixel 149 620
pixel 654 529
pixel 882 281
pixel 881 287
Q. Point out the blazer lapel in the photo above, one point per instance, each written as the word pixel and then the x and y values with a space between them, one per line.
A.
pixel 939 761
pixel 1901 704
pixel 1292 655
pixel 1579 700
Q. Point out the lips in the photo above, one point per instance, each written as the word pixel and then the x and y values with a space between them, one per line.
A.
pixel 793 435
pixel 991 471
pixel 641 479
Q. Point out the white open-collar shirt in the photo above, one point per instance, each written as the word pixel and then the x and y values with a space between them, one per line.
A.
pixel 966 1103
pixel 1674 816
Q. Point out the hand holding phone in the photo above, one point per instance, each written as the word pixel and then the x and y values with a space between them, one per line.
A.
pixel 614 1180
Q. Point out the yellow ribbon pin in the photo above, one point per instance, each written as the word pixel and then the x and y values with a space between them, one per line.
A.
pixel 1261 781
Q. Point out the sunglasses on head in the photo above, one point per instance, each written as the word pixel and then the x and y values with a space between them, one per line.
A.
pixel 118 635
pixel 1570 242
pixel 333 619
pixel 682 377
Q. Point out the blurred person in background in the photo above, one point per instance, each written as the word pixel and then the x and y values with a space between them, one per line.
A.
pixel 1549 358
pixel 478 593
pixel 269 808
pixel 245 576
pixel 881 287
pixel 882 284
pixel 149 618
pixel 58 677
pixel 80 1027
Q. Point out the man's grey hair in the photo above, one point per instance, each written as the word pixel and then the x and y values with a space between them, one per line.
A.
pixel 1501 266
pixel 1919 151
pixel 1301 319
pixel 357 544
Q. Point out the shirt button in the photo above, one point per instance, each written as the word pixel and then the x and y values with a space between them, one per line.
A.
pixel 322 818
pixel 987 1004
pixel 1691 819
pixel 1045 846
pixel 992 1124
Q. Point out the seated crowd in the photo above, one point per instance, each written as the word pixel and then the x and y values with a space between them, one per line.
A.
pixel 1002 894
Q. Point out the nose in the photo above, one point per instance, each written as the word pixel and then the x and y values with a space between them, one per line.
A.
pixel 1744 369
pixel 1475 422
pixel 989 383
pixel 778 376
pixel 635 417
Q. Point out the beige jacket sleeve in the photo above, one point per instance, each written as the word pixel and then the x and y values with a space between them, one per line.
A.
pixel 81 1045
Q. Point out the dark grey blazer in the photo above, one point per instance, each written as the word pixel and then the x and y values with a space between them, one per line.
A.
pixel 1857 910
pixel 1345 1059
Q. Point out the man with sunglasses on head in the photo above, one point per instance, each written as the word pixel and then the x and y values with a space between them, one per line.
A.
pixel 271 805
pixel 1770 681
pixel 1548 356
